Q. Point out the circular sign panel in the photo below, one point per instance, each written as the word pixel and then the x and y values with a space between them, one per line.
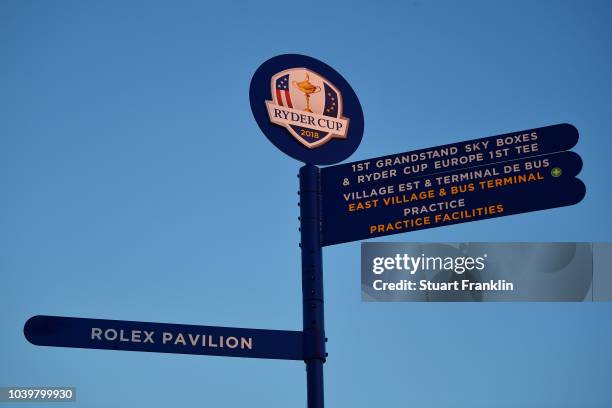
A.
pixel 306 109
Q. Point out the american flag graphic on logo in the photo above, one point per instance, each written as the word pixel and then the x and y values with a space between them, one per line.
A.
pixel 283 96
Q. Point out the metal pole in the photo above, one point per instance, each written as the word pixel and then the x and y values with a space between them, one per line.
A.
pixel 312 283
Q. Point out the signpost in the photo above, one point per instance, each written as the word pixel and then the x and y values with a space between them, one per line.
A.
pixel 310 112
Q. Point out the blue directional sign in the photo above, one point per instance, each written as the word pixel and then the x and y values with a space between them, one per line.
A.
pixel 76 332
pixel 467 181
pixel 455 156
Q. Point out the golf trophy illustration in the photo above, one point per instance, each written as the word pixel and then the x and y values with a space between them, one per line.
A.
pixel 308 89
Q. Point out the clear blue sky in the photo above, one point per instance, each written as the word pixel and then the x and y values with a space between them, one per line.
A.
pixel 136 185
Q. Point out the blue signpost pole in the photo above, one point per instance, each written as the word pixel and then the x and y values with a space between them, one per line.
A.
pixel 312 282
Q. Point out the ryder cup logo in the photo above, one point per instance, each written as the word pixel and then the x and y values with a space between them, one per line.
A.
pixel 308 106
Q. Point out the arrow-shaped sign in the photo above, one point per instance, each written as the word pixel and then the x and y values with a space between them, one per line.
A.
pixel 164 338
pixel 495 190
